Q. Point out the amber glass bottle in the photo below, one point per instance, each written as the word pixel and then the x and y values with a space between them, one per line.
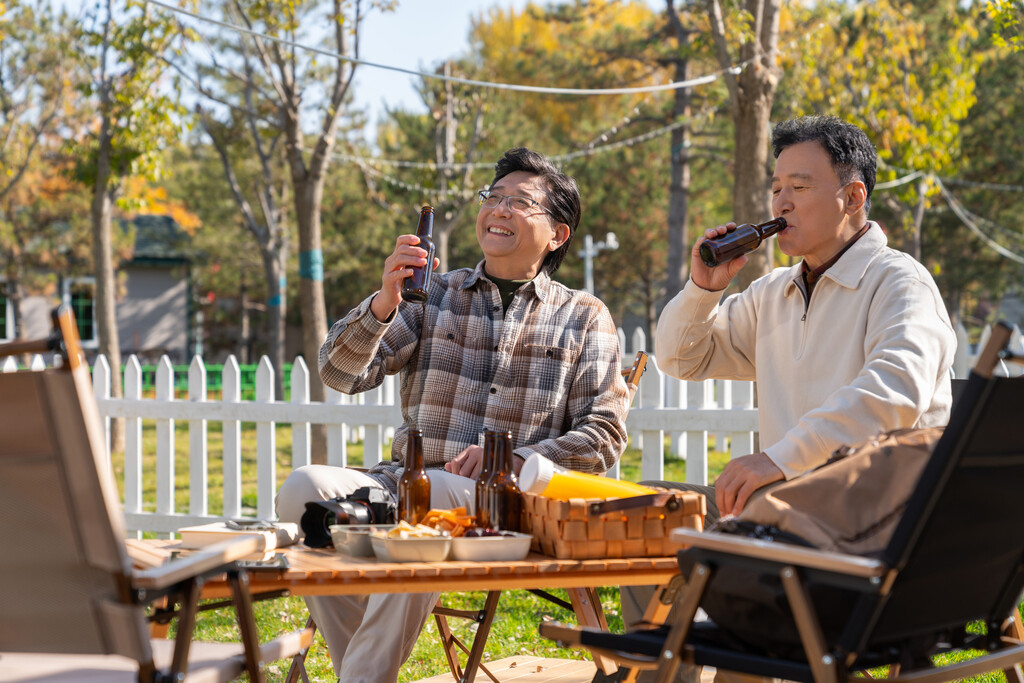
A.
pixel 417 286
pixel 507 501
pixel 413 485
pixel 741 240
pixel 482 499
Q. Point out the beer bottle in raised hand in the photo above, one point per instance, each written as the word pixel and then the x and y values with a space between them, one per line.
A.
pixel 741 240
pixel 507 504
pixel 482 490
pixel 417 286
pixel 413 485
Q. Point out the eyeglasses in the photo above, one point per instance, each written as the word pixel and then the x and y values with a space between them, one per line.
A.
pixel 492 200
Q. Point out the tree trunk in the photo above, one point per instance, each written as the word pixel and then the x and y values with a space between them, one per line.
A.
pixel 751 94
pixel 751 200
pixel 915 233
pixel 106 289
pixel 277 303
pixel 308 196
pixel 679 189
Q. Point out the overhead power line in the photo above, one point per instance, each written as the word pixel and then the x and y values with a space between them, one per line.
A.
pixel 675 85
pixel 967 220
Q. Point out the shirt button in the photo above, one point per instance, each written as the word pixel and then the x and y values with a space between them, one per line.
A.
pixel 550 353
pixel 451 336
pixel 496 309
pixel 494 390
pixel 496 348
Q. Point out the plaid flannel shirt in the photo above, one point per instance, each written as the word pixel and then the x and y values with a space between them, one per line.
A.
pixel 547 370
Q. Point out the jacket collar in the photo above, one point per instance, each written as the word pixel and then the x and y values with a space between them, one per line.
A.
pixel 849 270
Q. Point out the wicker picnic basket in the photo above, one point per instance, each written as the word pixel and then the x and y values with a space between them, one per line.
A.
pixel 597 528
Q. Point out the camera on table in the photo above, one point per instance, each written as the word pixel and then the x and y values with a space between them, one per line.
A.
pixel 365 505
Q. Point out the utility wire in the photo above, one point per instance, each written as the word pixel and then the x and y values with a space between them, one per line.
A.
pixel 675 85
pixel 962 214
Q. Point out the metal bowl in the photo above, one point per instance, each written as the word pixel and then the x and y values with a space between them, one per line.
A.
pixel 491 548
pixel 354 539
pixel 423 549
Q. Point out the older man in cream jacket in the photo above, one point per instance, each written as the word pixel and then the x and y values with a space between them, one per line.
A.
pixel 852 341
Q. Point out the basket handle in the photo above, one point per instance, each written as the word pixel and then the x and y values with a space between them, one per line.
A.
pixel 665 499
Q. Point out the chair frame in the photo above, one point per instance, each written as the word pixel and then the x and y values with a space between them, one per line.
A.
pixel 172 590
pixel 874 580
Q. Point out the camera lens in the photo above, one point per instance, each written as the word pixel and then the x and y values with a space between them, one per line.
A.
pixel 352 512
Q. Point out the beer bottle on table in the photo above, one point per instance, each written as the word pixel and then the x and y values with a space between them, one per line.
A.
pixel 741 240
pixel 482 498
pixel 507 502
pixel 417 286
pixel 413 485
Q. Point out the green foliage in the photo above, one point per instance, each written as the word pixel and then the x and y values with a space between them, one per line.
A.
pixel 1009 18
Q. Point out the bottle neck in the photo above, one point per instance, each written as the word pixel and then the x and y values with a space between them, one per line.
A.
pixel 414 452
pixel 425 228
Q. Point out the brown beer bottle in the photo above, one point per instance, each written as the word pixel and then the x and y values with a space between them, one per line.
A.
pixel 413 485
pixel 417 285
pixel 507 503
pixel 741 240
pixel 482 499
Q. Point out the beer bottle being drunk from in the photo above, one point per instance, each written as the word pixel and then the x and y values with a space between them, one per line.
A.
pixel 482 497
pixel 417 286
pixel 413 485
pixel 741 240
pixel 507 501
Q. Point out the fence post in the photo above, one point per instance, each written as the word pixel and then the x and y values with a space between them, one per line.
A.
pixel 962 355
pixel 231 392
pixel 300 430
pixel 133 439
pixel 697 441
pixel 164 440
pixel 101 390
pixel 741 443
pixel 373 435
pixel 337 433
pixel 266 444
pixel 198 457
pixel 652 396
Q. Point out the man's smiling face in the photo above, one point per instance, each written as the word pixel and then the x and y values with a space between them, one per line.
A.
pixel 516 243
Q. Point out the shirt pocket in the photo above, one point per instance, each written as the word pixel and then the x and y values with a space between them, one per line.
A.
pixel 448 353
pixel 547 376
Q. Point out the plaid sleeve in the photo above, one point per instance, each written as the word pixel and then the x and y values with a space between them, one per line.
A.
pixel 360 350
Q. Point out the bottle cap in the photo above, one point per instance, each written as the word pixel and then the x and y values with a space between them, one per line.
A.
pixel 536 474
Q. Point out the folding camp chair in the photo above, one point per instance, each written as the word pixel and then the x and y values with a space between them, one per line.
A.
pixel 71 607
pixel 954 567
pixel 584 602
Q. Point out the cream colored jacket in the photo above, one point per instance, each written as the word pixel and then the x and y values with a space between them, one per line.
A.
pixel 870 352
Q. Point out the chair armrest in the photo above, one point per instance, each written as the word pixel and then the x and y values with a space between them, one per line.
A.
pixel 200 562
pixel 781 553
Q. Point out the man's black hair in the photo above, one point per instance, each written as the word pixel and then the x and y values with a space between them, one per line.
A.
pixel 852 154
pixel 563 197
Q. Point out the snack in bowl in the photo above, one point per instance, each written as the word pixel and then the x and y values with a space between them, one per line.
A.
pixel 496 546
pixel 411 543
pixel 455 521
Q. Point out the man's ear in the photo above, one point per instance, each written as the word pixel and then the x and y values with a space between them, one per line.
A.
pixel 559 238
pixel 856 196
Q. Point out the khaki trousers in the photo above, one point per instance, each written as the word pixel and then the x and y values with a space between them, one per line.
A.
pixel 369 636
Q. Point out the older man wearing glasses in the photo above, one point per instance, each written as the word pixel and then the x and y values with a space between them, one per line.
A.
pixel 498 346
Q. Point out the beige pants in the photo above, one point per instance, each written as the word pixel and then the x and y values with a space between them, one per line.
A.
pixel 369 636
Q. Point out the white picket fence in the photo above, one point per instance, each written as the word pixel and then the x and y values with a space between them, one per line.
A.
pixel 687 412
